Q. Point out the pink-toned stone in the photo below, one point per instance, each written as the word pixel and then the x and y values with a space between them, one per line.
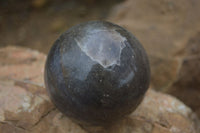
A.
pixel 22 100
pixel 187 84
pixel 158 113
pixel 163 27
pixel 26 108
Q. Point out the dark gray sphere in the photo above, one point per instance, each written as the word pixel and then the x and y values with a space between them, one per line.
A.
pixel 96 73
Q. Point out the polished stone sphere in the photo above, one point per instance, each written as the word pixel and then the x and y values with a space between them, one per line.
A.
pixel 96 73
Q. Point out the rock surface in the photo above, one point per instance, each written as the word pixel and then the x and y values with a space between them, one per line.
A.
pixel 163 27
pixel 187 84
pixel 23 100
pixel 169 30
pixel 26 108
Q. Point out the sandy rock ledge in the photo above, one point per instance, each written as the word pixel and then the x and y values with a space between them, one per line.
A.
pixel 26 108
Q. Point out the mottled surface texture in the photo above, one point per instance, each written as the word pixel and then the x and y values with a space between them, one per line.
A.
pixel 172 43
pixel 26 108
pixel 96 73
